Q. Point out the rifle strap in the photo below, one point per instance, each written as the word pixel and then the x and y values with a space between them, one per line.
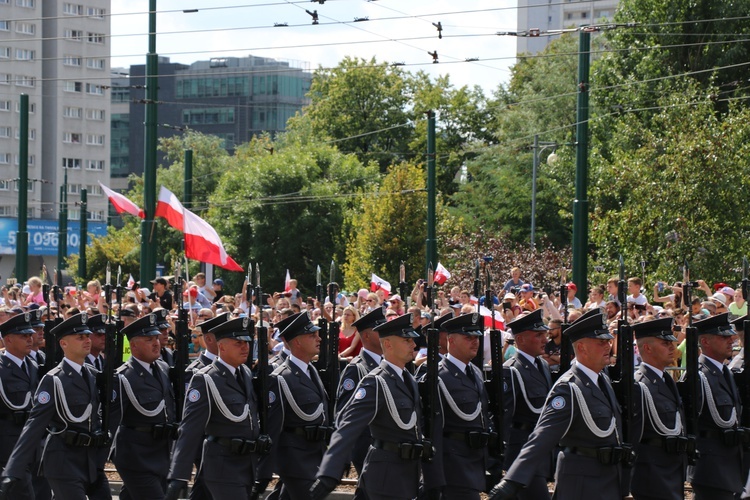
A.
pixel 307 417
pixel 653 415
pixel 216 396
pixel 588 419
pixel 466 417
pixel 128 390
pixel 715 416
pixel 391 405
pixel 515 374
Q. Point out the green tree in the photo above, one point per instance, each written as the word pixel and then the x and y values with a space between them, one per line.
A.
pixel 286 210
pixel 119 247
pixel 364 102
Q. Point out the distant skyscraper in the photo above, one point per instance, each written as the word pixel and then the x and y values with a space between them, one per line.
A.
pixel 234 98
pixel 58 53
pixel 546 15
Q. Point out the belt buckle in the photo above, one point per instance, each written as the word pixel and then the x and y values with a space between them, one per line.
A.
pixel 405 450
pixel 83 439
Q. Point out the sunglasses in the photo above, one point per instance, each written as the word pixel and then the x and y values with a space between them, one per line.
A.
pixel 196 336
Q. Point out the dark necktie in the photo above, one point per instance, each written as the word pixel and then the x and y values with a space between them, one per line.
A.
pixel 670 384
pixel 240 378
pixel 602 382
pixel 154 371
pixel 408 382
pixel 470 374
pixel 25 367
pixel 85 376
pixel 98 363
pixel 730 382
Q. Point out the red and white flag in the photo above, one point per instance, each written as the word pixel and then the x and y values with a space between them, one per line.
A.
pixel 497 324
pixel 473 300
pixel 441 274
pixel 287 282
pixel 169 207
pixel 202 243
pixel 377 283
pixel 122 204
pixel 131 282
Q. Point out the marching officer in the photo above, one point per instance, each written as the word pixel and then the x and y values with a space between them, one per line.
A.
pixel 145 400
pixel 366 361
pixel 717 474
pixel 66 405
pixel 18 380
pixel 162 323
pixel 660 465
pixel 299 426
pixel 199 490
pixel 221 415
pixel 527 381
pixel 387 400
pixel 582 415
pixel 37 323
pixel 462 431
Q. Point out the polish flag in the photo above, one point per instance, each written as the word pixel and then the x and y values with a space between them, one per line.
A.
pixel 441 275
pixel 287 282
pixel 202 243
pixel 495 324
pixel 474 300
pixel 169 207
pixel 377 283
pixel 122 204
pixel 131 282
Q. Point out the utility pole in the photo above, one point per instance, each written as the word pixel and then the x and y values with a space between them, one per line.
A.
pixel 62 239
pixel 22 235
pixel 83 235
pixel 581 202
pixel 148 225
pixel 431 193
pixel 187 195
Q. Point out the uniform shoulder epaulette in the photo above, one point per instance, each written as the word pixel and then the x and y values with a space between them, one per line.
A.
pixel 121 368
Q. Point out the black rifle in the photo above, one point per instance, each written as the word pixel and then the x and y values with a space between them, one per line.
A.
pixel 428 386
pixel 261 377
pixel 51 349
pixel 332 365
pixel 624 385
pixel 105 380
pixel 495 384
pixel 743 377
pixel 689 386
pixel 322 324
pixel 403 286
pixel 120 345
pixel 182 341
pixel 479 358
pixel 566 348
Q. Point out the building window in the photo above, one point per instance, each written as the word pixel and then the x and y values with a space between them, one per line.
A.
pixel 4 158
pixel 6 185
pixel 5 106
pixel 94 89
pixel 32 134
pixel 72 112
pixel 6 210
pixel 584 15
pixel 4 78
pixel 97 215
pixel 95 63
pixel 25 55
pixel 25 28
pixel 4 52
pixel 25 81
pixel 71 60
pixel 71 163
pixel 71 138
pixel 69 86
pixel 95 140
pixel 31 161
pixel 29 4
pixel 95 12
pixel 97 38
pixel 75 35
pixel 72 9
pixel 4 25
pixel 94 189
pixel 32 107
pixel 74 189
pixel 95 165
pixel 208 116
pixel 95 114
pixel 5 132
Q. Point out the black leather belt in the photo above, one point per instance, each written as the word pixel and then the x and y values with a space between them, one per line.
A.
pixel 157 431
pixel 313 433
pixel 406 451
pixel 729 437
pixel 474 439
pixel 17 417
pixel 670 444
pixel 237 446
pixel 606 455
pixel 524 426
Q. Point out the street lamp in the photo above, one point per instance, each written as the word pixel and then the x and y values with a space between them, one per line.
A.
pixel 539 147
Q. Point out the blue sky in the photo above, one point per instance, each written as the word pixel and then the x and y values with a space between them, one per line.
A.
pixel 243 27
